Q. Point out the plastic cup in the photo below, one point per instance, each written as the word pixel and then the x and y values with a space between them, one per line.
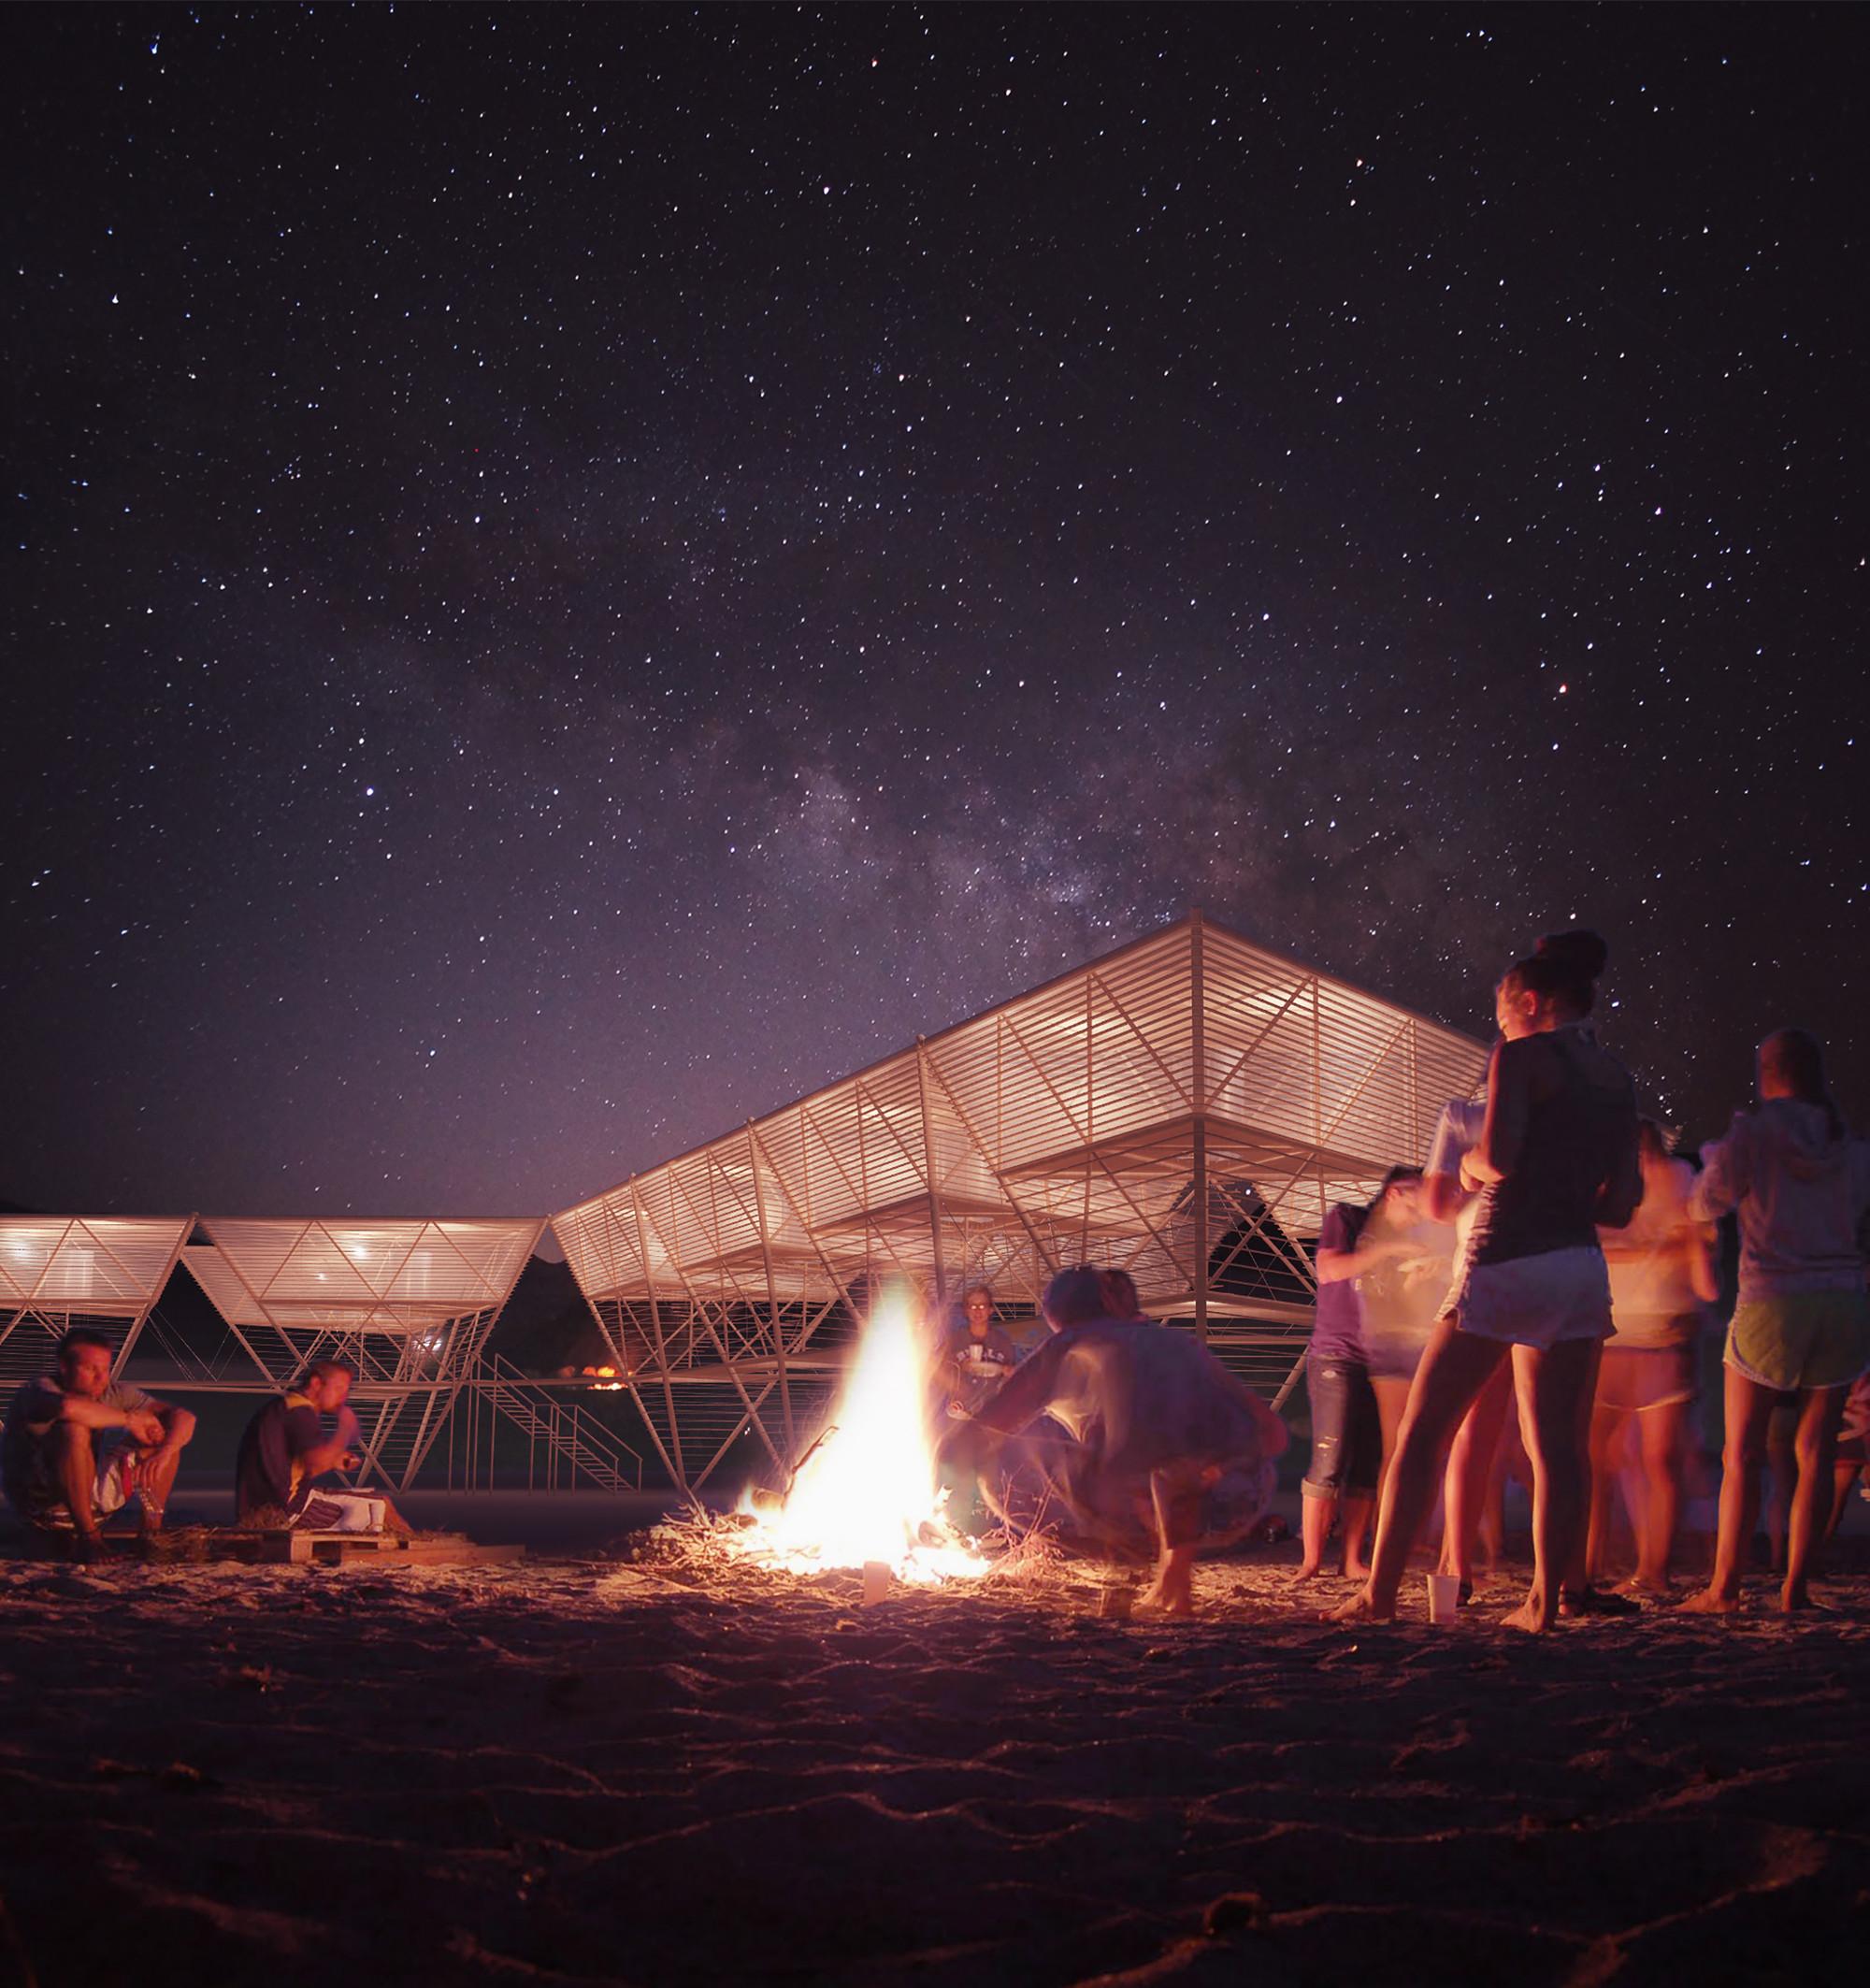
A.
pixel 876 1582
pixel 1444 1598
pixel 1117 1604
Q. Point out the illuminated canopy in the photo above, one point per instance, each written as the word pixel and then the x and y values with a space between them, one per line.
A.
pixel 1187 1107
pixel 58 1271
pixel 408 1304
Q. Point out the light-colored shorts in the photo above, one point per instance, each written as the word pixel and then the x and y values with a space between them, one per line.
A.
pixel 1393 1355
pixel 1537 1300
pixel 1635 1377
pixel 1800 1339
pixel 111 1490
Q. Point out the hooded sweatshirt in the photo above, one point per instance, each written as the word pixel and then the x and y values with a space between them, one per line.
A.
pixel 1802 1193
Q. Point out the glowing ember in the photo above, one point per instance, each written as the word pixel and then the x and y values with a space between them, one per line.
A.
pixel 867 1492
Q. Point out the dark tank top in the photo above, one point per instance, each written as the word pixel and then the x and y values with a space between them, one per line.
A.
pixel 1573 1138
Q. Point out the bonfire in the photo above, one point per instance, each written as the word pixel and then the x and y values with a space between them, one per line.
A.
pixel 866 1495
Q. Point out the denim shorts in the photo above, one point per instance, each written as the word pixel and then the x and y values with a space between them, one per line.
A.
pixel 1346 1434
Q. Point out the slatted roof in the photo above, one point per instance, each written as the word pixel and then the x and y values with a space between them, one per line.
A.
pixel 1141 1110
pixel 104 1266
pixel 358 1277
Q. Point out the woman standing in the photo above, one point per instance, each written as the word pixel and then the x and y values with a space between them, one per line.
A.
pixel 1557 1157
pixel 1801 1184
pixel 1661 1275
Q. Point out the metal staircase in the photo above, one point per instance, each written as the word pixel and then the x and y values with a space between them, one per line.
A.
pixel 574 1443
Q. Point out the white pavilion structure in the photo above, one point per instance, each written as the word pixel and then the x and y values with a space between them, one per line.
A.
pixel 61 1270
pixel 1187 1107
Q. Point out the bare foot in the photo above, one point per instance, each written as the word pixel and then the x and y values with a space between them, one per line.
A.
pixel 1359 1572
pixel 1159 1600
pixel 1528 1617
pixel 1798 1601
pixel 1359 1608
pixel 1649 1587
pixel 1300 1574
pixel 1708 1601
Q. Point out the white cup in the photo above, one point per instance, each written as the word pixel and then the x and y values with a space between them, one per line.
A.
pixel 1444 1598
pixel 876 1582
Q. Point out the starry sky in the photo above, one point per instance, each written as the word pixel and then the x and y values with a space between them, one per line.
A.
pixel 577 573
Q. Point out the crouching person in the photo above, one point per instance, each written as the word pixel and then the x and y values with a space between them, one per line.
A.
pixel 78 1446
pixel 1162 1439
pixel 285 1451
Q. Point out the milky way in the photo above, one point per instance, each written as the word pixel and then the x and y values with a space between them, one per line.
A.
pixel 578 573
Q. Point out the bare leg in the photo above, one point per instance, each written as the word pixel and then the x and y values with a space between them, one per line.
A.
pixel 1392 1398
pixel 1746 1408
pixel 1659 1433
pixel 1820 1411
pixel 1471 1464
pixel 1315 1528
pixel 1455 1368
pixel 1174 1589
pixel 1606 1431
pixel 1782 1467
pixel 1842 1476
pixel 1581 1391
pixel 76 1462
pixel 1177 1497
pixel 1555 1386
pixel 1356 1509
pixel 155 1479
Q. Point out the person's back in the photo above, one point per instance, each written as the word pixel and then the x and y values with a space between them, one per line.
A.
pixel 1153 1396
pixel 1800 1185
pixel 1580 1115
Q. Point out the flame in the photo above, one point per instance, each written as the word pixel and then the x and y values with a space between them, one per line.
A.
pixel 867 1492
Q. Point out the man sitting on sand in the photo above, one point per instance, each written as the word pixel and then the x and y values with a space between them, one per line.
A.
pixel 1157 1425
pixel 78 1446
pixel 285 1450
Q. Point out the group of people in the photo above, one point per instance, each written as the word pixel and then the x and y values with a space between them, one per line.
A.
pixel 1551 1256
pixel 1582 1260
pixel 78 1447
pixel 1549 1267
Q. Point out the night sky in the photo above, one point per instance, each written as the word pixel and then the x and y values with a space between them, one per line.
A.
pixel 578 573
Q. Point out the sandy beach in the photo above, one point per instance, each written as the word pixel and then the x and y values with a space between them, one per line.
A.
pixel 582 1770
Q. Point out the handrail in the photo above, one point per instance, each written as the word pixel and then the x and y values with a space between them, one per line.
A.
pixel 569 1431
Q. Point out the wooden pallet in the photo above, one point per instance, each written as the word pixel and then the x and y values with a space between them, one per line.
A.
pixel 300 1547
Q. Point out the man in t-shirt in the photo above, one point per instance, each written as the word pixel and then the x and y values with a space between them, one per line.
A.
pixel 978 1356
pixel 78 1446
pixel 285 1450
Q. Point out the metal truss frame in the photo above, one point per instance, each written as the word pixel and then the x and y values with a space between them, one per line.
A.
pixel 101 1271
pixel 409 1304
pixel 1188 1106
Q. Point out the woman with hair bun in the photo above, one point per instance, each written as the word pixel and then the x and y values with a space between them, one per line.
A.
pixel 1800 1184
pixel 1557 1157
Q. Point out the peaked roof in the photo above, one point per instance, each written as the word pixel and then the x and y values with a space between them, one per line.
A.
pixel 358 1276
pixel 111 1266
pixel 1072 1122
